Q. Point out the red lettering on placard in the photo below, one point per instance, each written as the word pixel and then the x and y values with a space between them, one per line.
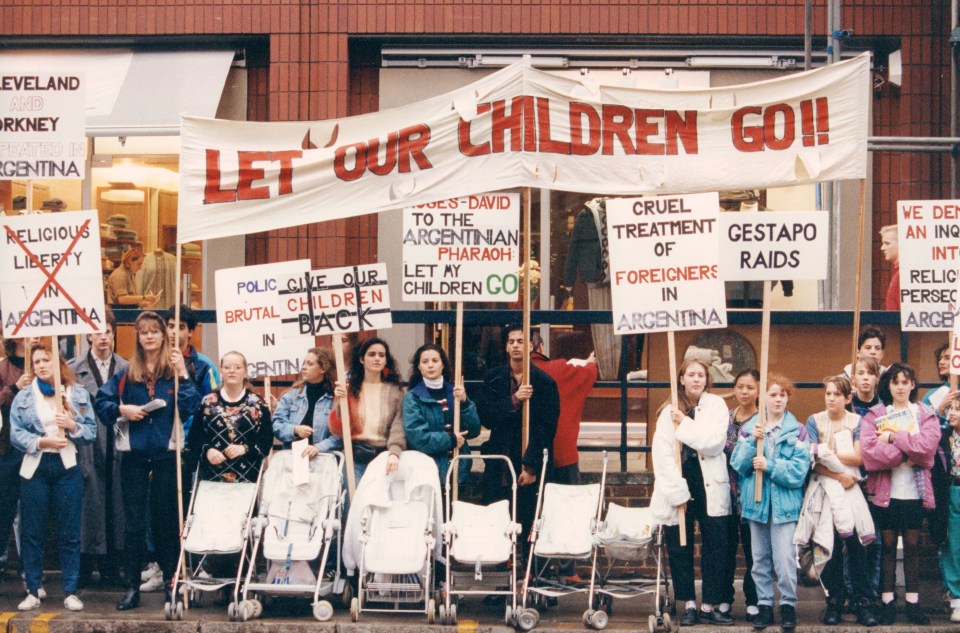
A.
pixel 247 174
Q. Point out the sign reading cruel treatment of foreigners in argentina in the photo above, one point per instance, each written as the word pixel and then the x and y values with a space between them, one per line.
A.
pixel 347 299
pixel 770 245
pixel 52 283
pixel 664 253
pixel 463 249
pixel 929 243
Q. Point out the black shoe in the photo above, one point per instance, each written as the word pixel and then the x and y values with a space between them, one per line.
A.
pixel 763 619
pixel 866 615
pixel 715 617
pixel 915 614
pixel 831 615
pixel 888 613
pixel 750 617
pixel 788 617
pixel 130 600
pixel 689 617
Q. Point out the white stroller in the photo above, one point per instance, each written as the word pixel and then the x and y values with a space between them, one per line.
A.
pixel 392 536
pixel 565 526
pixel 481 547
pixel 628 535
pixel 297 525
pixel 218 522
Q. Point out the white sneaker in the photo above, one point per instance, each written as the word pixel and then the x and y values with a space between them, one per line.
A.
pixel 153 569
pixel 42 593
pixel 955 615
pixel 29 603
pixel 155 583
pixel 72 603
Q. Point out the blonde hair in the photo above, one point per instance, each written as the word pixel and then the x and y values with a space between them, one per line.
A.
pixel 889 229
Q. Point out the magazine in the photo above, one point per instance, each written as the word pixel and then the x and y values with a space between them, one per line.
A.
pixel 902 420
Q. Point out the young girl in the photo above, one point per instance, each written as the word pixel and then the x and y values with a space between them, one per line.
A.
pixel 746 388
pixel 700 483
pixel 950 556
pixel 304 410
pixel 899 439
pixel 773 520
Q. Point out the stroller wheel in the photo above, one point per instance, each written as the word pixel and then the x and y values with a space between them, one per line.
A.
pixel 528 619
pixel 323 611
pixel 668 624
pixel 168 610
pixel 178 611
pixel 508 618
pixel 599 620
pixel 257 607
pixel 585 618
pixel 354 609
pixel 431 611
pixel 452 614
pixel 231 611
pixel 244 611
pixel 652 623
pixel 442 614
pixel 347 595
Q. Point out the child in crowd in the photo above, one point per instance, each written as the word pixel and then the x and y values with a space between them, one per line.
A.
pixel 870 344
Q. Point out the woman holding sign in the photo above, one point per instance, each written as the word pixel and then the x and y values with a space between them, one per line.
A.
pixel 700 484
pixel 375 401
pixel 899 439
pixel 304 410
pixel 47 433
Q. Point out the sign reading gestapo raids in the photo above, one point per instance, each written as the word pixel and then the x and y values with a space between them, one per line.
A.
pixel 664 263
pixel 463 249
pixel 248 318
pixel 929 243
pixel 52 283
pixel 42 126
pixel 347 299
pixel 765 246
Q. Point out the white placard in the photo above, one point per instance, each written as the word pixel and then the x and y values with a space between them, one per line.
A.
pixel 773 245
pixel 663 263
pixel 929 242
pixel 955 339
pixel 52 283
pixel 248 318
pixel 347 299
pixel 463 249
pixel 42 126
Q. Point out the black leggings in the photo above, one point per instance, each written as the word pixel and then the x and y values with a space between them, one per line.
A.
pixel 903 517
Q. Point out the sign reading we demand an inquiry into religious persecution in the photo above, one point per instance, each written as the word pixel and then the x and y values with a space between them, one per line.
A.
pixel 929 245
pixel 42 126
pixel 463 249
pixel 664 263
pixel 248 318
pixel 332 300
pixel 52 283
pixel 765 246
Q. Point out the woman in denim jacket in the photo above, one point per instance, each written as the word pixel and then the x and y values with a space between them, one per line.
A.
pixel 49 475
pixel 303 411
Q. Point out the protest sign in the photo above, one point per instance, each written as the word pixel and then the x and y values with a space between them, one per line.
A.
pixel 773 245
pixel 955 339
pixel 347 299
pixel 248 318
pixel 52 283
pixel 929 245
pixel 43 127
pixel 664 263
pixel 463 249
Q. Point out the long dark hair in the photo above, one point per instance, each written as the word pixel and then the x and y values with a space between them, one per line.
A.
pixel 890 375
pixel 355 375
pixel 415 376
pixel 138 363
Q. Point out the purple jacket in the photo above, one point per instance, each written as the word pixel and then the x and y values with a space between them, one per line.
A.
pixel 880 458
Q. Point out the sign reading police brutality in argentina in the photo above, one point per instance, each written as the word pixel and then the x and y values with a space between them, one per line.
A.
pixel 464 249
pixel 348 299
pixel 42 126
pixel 663 263
pixel 773 245
pixel 52 284
pixel 929 243
pixel 248 318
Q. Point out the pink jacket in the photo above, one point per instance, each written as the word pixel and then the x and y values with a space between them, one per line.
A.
pixel 880 458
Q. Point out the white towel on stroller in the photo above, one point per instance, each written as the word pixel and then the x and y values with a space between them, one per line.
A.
pixel 482 533
pixel 219 515
pixel 627 533
pixel 568 517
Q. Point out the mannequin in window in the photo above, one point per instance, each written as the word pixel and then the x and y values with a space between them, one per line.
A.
pixel 158 277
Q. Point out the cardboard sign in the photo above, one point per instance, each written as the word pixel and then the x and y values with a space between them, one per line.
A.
pixel 664 263
pixel 248 318
pixel 929 242
pixel 348 299
pixel 773 245
pixel 43 126
pixel 52 283
pixel 463 249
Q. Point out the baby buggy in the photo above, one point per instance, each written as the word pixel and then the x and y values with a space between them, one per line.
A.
pixel 217 524
pixel 481 547
pixel 296 528
pixel 392 537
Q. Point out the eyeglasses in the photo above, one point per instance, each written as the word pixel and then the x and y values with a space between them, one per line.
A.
pixel 232 367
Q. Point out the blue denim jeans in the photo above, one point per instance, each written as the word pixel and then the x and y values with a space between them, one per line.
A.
pixel 774 551
pixel 61 488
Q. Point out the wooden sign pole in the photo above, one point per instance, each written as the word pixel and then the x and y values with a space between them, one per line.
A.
pixel 58 396
pixel 177 426
pixel 528 229
pixel 764 367
pixel 345 414
pixel 458 381
pixel 675 403
pixel 859 266
pixel 267 395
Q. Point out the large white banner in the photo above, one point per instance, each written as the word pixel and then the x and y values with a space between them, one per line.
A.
pixel 52 283
pixel 525 127
pixel 664 254
pixel 773 245
pixel 346 299
pixel 929 244
pixel 42 126
pixel 464 249
pixel 248 318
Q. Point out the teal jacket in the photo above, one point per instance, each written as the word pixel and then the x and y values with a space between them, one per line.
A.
pixel 425 422
pixel 788 462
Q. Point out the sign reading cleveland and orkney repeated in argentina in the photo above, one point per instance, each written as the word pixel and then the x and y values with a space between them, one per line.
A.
pixel 663 263
pixel 773 245
pixel 463 249
pixel 929 243
pixel 347 299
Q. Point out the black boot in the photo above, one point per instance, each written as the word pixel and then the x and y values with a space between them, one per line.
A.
pixel 832 614
pixel 763 619
pixel 130 600
pixel 866 614
pixel 915 614
pixel 788 617
pixel 888 613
